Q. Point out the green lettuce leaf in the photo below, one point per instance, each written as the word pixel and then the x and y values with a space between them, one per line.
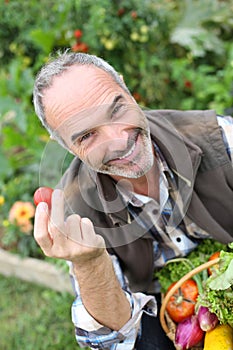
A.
pixel 224 280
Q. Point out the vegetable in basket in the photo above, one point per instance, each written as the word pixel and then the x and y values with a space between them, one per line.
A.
pixel 182 303
pixel 216 266
pixel 220 338
pixel 188 333
pixel 177 268
pixel 207 320
pixel 214 306
pixel 217 294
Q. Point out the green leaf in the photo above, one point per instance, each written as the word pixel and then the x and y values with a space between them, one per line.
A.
pixel 5 168
pixel 224 280
pixel 11 111
pixel 43 39
pixel 192 31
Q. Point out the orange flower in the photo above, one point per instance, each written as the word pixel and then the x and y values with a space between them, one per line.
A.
pixel 26 227
pixel 21 213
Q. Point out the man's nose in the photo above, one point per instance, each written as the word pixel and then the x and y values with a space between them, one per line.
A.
pixel 116 137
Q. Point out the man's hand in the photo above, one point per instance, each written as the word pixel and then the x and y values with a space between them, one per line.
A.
pixel 72 239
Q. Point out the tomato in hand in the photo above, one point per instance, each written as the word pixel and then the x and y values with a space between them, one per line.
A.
pixel 182 303
pixel 215 266
pixel 43 194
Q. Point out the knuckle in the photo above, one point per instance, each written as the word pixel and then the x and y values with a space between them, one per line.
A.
pixel 73 218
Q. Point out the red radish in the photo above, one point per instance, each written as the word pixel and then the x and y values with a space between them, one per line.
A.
pixel 207 320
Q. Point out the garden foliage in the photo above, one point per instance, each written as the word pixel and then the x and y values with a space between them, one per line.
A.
pixel 171 53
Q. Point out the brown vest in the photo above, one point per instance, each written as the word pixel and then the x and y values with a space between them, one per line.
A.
pixel 192 145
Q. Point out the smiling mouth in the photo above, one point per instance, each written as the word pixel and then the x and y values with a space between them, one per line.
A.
pixel 128 153
pixel 118 156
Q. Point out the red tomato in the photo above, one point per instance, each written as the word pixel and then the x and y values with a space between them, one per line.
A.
pixel 215 266
pixel 182 303
pixel 43 194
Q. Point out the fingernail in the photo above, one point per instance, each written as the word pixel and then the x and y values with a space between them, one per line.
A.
pixel 42 207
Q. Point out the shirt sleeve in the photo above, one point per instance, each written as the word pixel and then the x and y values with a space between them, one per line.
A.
pixel 90 333
pixel 226 124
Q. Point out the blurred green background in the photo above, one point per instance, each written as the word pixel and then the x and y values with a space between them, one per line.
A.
pixel 173 54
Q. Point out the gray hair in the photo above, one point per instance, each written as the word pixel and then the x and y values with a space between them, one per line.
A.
pixel 55 67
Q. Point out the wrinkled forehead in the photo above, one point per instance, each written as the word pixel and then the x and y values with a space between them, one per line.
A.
pixel 76 80
pixel 86 119
pixel 79 89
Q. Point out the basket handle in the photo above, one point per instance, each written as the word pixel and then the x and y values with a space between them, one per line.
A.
pixel 190 274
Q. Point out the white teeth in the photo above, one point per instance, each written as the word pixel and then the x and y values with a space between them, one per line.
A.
pixel 128 153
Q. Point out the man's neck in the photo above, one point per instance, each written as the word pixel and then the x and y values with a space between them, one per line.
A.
pixel 147 185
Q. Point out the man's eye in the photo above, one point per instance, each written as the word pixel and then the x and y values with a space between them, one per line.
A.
pixel 85 137
pixel 117 108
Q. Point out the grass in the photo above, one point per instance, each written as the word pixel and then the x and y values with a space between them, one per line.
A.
pixel 34 317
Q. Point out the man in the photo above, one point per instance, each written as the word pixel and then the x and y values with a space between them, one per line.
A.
pixel 144 187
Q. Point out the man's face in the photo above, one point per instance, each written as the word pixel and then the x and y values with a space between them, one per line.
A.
pixel 99 122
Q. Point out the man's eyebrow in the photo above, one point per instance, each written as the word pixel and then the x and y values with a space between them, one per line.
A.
pixel 78 134
pixel 110 108
pixel 114 102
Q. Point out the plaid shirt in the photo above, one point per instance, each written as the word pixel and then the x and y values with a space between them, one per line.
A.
pixel 168 243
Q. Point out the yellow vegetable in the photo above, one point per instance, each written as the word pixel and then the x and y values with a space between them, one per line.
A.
pixel 219 338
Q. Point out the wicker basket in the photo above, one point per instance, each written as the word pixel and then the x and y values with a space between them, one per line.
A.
pixel 168 325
